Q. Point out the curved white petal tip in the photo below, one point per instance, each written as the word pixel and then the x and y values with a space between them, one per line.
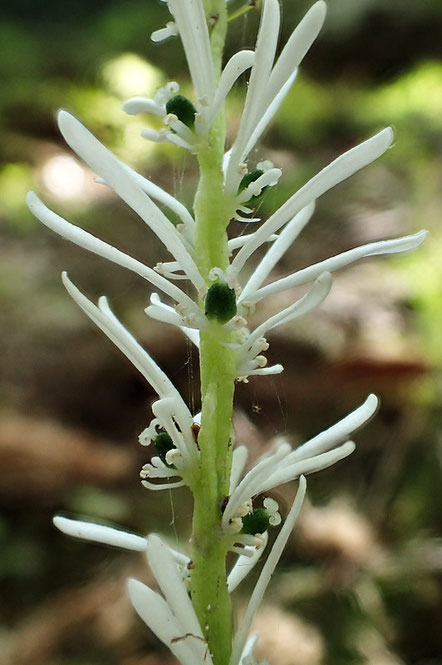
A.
pixel 32 200
pixel 386 136
pixel 65 120
pixel 134 589
pixel 100 533
pixel 320 10
pixel 371 404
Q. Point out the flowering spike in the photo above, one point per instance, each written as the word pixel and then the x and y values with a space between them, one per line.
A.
pixel 232 511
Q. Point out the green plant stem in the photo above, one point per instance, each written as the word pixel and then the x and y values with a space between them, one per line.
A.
pixel 217 365
pixel 217 362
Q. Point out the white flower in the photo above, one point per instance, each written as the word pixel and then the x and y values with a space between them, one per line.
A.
pixel 170 410
pixel 269 83
pixel 284 464
pixel 191 25
pixel 172 618
pixel 340 169
pixel 249 360
pixel 239 644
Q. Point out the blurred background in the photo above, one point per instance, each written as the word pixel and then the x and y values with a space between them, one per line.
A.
pixel 360 580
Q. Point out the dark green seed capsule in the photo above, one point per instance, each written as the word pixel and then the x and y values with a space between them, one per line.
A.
pixel 183 109
pixel 163 443
pixel 256 522
pixel 220 302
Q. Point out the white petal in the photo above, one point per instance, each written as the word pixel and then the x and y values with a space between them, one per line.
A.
pixel 296 47
pixel 163 486
pixel 287 236
pixel 239 241
pixel 163 197
pixel 152 135
pixel 192 26
pixel 247 654
pixel 236 66
pixel 289 472
pixel 121 337
pixel 161 314
pixel 270 111
pixel 404 244
pixel 338 432
pixel 171 584
pixel 99 533
pixel 170 30
pixel 89 242
pixel 284 72
pixel 267 572
pixel 253 108
pixel 115 174
pixel 239 460
pixel 341 168
pixel 191 333
pixel 173 138
pixel 265 371
pixel 157 469
pixel 157 615
pixel 311 300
